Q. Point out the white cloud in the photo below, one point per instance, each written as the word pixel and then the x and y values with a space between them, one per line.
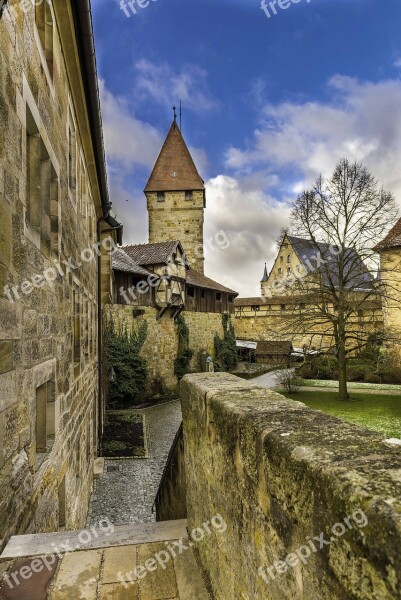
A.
pixel 128 140
pixel 164 86
pixel 251 219
pixel 362 120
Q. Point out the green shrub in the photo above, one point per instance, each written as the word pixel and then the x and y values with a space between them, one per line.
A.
pixel 183 361
pixel 122 348
pixel 226 348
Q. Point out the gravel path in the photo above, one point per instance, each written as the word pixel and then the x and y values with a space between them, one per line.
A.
pixel 128 496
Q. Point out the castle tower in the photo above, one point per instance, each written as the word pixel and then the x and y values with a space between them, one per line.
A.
pixel 176 199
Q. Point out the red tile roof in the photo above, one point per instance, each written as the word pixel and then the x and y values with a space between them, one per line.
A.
pixel 392 239
pixel 175 169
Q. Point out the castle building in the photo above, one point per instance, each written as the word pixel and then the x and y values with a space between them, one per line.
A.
pixel 55 221
pixel 165 278
pixel 176 199
pixel 277 313
pixel 389 250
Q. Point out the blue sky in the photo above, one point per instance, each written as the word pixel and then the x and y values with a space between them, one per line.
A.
pixel 268 104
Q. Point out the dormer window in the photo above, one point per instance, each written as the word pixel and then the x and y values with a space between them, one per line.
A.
pixel 161 197
pixel 188 195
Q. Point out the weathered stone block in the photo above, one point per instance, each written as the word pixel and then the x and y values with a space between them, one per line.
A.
pixel 6 355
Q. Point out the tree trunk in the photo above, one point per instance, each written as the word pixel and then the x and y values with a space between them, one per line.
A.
pixel 342 363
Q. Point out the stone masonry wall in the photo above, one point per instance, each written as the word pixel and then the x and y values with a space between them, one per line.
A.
pixel 282 476
pixel 178 219
pixel 161 345
pixel 37 321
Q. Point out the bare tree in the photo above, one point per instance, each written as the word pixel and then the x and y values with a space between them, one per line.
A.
pixel 343 218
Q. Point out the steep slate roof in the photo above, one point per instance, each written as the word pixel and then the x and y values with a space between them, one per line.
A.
pixel 122 262
pixel 174 158
pixel 198 279
pixel 392 239
pixel 361 278
pixel 152 254
pixel 279 348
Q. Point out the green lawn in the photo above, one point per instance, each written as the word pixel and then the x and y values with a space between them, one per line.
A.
pixel 379 412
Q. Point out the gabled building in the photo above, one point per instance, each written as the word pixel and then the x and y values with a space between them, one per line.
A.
pixel 268 317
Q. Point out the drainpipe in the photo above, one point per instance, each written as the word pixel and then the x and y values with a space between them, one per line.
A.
pixel 117 227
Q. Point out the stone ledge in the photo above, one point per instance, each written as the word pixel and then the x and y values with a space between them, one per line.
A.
pixel 279 472
pixel 42 544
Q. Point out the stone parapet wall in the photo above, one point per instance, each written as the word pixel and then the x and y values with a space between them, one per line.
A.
pixel 282 476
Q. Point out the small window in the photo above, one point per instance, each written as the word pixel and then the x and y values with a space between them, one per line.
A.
pixel 280 271
pixel 218 297
pixel 281 258
pixel 188 195
pixel 283 306
pixel 45 417
pixel 44 24
pixel 161 196
pixel 289 258
pixel 203 294
pixel 289 271
pixel 256 308
pixel 191 292
pixel 231 299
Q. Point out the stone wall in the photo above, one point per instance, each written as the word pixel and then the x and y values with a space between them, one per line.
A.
pixel 48 328
pixel 270 323
pixel 171 499
pixel 161 345
pixel 178 219
pixel 282 476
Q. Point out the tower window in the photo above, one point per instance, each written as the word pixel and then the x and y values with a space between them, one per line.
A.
pixel 161 196
pixel 188 195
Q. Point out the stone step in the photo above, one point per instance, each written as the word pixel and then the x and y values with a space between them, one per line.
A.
pixel 103 535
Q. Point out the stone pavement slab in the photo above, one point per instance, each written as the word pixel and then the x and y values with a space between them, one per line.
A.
pixel 153 571
pixel 27 579
pixel 78 576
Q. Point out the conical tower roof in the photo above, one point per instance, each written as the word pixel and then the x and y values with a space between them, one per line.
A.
pixel 175 169
pixel 265 275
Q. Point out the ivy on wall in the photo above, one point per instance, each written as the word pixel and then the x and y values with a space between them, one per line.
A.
pixel 185 354
pixel 126 369
pixel 226 347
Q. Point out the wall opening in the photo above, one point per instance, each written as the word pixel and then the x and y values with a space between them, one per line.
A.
pixel 62 516
pixel 45 419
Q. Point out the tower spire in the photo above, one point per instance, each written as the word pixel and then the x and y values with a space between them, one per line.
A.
pixel 265 275
pixel 175 114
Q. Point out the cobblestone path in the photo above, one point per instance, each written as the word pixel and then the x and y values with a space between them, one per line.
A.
pixel 127 496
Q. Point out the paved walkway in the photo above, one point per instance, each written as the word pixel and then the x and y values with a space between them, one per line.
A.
pixel 270 381
pixel 128 496
pixel 133 562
